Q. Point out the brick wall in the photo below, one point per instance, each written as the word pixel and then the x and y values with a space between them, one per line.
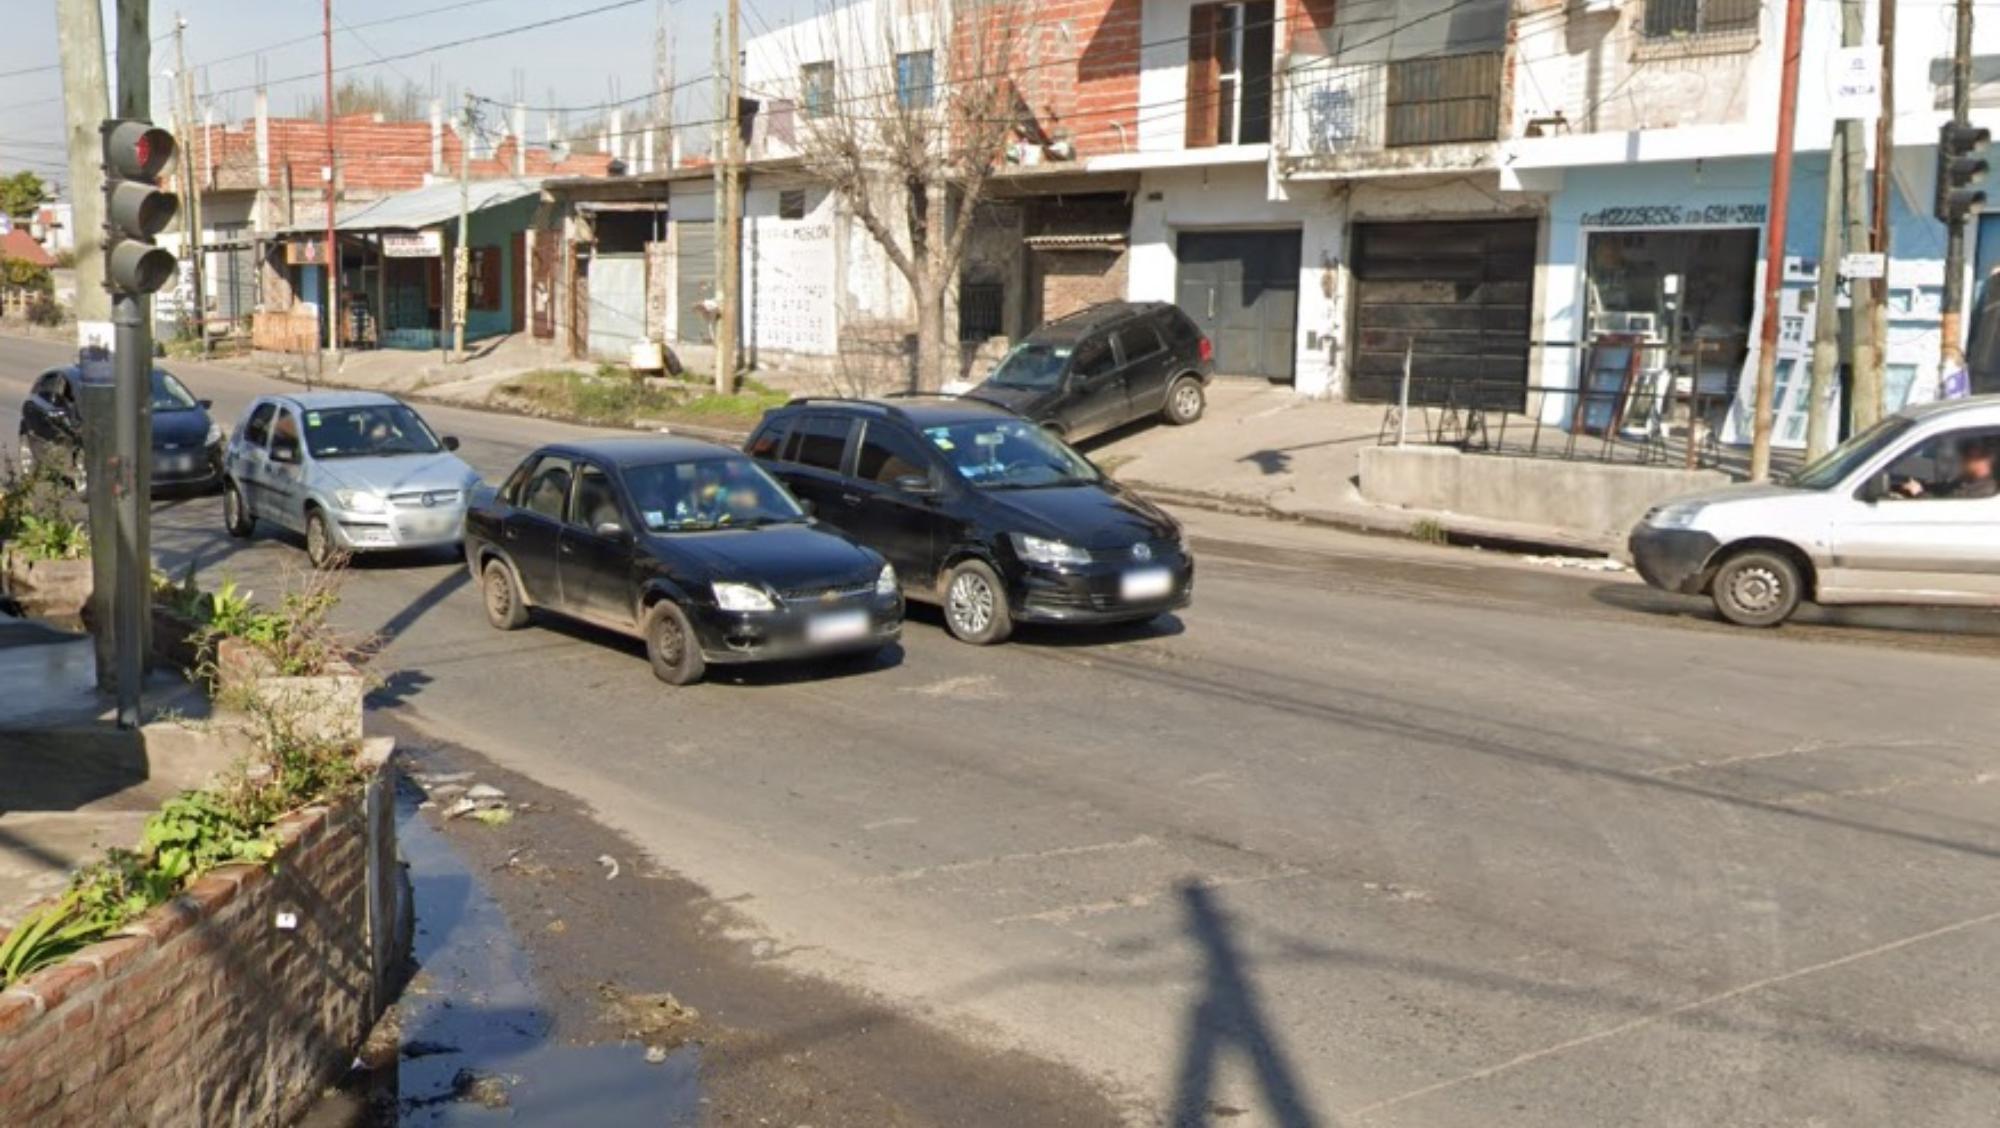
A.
pixel 1099 96
pixel 206 1012
pixel 1071 280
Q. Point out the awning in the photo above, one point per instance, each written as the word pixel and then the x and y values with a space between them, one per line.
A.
pixel 1076 242
pixel 423 207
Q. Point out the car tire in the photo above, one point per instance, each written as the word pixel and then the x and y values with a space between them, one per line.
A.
pixel 672 646
pixel 322 551
pixel 505 609
pixel 975 605
pixel 1185 401
pixel 1757 588
pixel 236 518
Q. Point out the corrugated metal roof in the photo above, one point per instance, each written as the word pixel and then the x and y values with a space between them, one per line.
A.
pixel 432 204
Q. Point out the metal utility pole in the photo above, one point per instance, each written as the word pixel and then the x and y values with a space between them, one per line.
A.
pixel 731 233
pixel 86 103
pixel 1950 354
pixel 1774 251
pixel 130 483
pixel 461 255
pixel 191 221
pixel 1866 389
pixel 332 267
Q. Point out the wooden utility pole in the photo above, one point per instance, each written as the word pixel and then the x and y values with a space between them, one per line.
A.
pixel 190 184
pixel 1774 250
pixel 86 103
pixel 461 255
pixel 332 267
pixel 730 235
pixel 1866 389
pixel 1950 354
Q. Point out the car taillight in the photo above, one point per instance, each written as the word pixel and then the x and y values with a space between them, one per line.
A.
pixel 1207 349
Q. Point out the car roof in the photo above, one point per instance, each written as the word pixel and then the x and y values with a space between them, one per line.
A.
pixel 1978 407
pixel 330 401
pixel 638 450
pixel 926 409
pixel 1084 322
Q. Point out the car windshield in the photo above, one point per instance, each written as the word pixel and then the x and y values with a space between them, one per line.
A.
pixel 1010 454
pixel 1834 467
pixel 709 493
pixel 1032 366
pixel 375 430
pixel 170 394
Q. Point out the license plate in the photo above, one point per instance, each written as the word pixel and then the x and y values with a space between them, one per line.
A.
pixel 427 526
pixel 837 626
pixel 176 463
pixel 1146 583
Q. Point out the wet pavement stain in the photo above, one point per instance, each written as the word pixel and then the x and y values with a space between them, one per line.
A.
pixel 476 1044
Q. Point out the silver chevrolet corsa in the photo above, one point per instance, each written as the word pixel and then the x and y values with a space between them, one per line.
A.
pixel 351 471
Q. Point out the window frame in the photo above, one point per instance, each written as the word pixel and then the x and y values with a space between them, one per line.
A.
pixel 1988 433
pixel 1652 32
pixel 923 462
pixel 801 432
pixel 910 95
pixel 579 469
pixel 787 198
pixel 1139 325
pixel 543 462
pixel 298 437
pixel 255 435
pixel 816 88
pixel 1076 355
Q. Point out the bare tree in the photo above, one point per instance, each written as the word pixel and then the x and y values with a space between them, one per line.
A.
pixel 906 108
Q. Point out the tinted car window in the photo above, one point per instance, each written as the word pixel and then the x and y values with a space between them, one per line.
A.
pixel 818 440
pixel 1181 328
pixel 1032 365
pixel 887 455
pixel 769 439
pixel 367 430
pixel 547 488
pixel 1139 340
pixel 1010 454
pixel 257 431
pixel 708 493
pixel 1093 358
pixel 170 394
pixel 596 504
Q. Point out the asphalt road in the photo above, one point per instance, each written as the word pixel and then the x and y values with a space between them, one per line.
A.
pixel 1373 834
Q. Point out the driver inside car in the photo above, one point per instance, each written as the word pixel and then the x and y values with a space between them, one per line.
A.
pixel 1974 479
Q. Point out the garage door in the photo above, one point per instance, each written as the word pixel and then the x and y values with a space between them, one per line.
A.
pixel 1456 294
pixel 617 305
pixel 694 278
pixel 1242 288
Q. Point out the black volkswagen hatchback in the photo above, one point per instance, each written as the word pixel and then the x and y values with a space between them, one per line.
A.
pixel 980 510
pixel 690 546
pixel 187 444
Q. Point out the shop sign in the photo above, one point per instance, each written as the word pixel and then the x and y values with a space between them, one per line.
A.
pixel 1864 264
pixel 306 252
pixel 1675 215
pixel 1855 83
pixel 412 244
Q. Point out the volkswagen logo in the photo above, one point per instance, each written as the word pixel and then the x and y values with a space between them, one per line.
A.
pixel 1142 552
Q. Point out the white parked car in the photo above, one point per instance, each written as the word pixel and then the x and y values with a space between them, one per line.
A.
pixel 1906 512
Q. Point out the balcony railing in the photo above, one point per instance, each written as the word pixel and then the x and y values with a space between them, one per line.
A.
pixel 1342 110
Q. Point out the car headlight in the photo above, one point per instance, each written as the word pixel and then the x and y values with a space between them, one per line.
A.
pixel 1039 550
pixel 214 437
pixel 742 597
pixel 885 583
pixel 1674 515
pixel 359 501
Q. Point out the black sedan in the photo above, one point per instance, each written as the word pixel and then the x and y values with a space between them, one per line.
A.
pixel 187 443
pixel 690 546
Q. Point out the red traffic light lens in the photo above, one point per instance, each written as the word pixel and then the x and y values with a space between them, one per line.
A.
pixel 142 151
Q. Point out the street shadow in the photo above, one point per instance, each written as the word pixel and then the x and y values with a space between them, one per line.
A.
pixel 1648 600
pixel 790 671
pixel 1229 1017
pixel 452 581
pixel 1059 636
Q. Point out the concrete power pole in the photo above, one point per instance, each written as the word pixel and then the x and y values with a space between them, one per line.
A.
pixel 1860 321
pixel 190 186
pixel 730 235
pixel 1950 354
pixel 1846 230
pixel 1774 250
pixel 1865 406
pixel 461 255
pixel 86 102
pixel 332 266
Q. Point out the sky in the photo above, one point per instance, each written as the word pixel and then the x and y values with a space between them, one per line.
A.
pixel 581 61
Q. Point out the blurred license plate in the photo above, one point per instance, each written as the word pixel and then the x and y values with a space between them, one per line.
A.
pixel 837 626
pixel 1147 583
pixel 175 463
pixel 428 525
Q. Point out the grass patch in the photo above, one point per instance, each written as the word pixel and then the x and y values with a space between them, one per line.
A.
pixel 1430 531
pixel 613 399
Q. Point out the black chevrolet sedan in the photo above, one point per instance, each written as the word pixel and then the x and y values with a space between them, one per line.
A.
pixel 187 444
pixel 692 547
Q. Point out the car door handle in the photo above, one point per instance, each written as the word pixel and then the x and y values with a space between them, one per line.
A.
pixel 568 549
pixel 851 499
pixel 511 532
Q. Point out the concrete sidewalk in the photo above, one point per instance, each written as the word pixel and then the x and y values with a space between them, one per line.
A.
pixel 1261 449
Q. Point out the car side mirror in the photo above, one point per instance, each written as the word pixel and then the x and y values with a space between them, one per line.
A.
pixel 204 404
pixel 807 504
pixel 913 484
pixel 451 442
pixel 610 530
pixel 1874 489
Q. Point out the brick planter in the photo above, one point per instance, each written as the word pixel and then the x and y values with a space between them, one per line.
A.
pixel 330 703
pixel 48 589
pixel 236 1002
pixel 174 640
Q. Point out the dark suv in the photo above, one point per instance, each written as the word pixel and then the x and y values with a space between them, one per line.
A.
pixel 979 510
pixel 1104 367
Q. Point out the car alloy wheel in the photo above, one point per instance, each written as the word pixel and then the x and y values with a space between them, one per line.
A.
pixel 319 540
pixel 970 604
pixel 1187 402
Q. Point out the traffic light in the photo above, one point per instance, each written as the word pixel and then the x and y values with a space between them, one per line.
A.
pixel 1961 169
pixel 135 209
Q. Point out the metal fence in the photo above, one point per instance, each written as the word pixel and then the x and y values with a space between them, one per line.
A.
pixel 1334 109
pixel 1640 427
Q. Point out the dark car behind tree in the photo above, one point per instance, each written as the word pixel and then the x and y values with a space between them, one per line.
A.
pixel 187 444
pixel 1104 367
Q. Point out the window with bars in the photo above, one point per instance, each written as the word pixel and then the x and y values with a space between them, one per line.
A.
pixel 1668 18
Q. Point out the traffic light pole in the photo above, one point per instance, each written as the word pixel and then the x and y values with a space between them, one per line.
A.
pixel 1950 355
pixel 130 487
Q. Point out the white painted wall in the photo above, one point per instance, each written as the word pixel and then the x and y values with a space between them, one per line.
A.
pixel 791 274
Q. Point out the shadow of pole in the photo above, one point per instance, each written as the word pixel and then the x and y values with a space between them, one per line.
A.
pixel 1229 1015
